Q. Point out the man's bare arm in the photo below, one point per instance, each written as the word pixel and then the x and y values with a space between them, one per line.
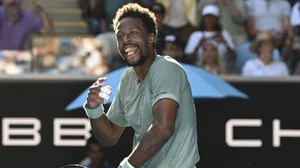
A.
pixel 161 130
pixel 106 132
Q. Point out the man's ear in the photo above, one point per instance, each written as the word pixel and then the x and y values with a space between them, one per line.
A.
pixel 151 38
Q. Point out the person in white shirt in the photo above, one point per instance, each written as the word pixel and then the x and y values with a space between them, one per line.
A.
pixel 268 15
pixel 211 29
pixel 264 65
pixel 295 15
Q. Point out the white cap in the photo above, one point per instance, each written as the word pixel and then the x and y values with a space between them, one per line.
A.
pixel 210 10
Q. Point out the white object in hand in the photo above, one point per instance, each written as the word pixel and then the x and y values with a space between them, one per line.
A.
pixel 105 92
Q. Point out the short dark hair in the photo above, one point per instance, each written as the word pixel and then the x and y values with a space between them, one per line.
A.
pixel 136 11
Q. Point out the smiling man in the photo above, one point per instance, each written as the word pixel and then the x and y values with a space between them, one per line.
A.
pixel 154 97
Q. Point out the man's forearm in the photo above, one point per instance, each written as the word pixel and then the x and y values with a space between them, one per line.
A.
pixel 149 145
pixel 48 27
pixel 105 131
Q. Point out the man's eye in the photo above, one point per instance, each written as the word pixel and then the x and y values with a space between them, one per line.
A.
pixel 133 33
pixel 120 37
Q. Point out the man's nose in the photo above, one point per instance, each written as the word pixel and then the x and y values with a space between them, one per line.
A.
pixel 127 38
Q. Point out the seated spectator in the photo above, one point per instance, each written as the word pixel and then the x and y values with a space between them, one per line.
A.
pixel 209 29
pixel 268 15
pixel 172 47
pixel 145 3
pixel 243 54
pixel 95 155
pixel 17 24
pixel 106 43
pixel 15 62
pixel 159 11
pixel 211 60
pixel 292 2
pixel 233 16
pixel 291 50
pixel 181 18
pixel 264 65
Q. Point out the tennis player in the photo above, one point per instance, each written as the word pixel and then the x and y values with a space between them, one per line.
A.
pixel 154 97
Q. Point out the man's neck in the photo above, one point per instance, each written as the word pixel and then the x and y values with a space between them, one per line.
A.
pixel 142 70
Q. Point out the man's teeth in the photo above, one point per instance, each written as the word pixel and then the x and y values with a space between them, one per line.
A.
pixel 128 49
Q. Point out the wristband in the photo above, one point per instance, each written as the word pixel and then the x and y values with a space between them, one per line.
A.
pixel 125 164
pixel 93 113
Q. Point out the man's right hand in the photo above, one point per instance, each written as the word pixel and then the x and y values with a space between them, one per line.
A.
pixel 93 99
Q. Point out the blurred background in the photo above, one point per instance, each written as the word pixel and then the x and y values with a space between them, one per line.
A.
pixel 51 50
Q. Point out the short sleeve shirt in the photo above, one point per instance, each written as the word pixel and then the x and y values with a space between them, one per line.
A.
pixel 133 104
pixel 268 15
pixel 15 36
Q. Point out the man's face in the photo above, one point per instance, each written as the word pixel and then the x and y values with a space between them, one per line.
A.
pixel 159 18
pixel 12 6
pixel 133 41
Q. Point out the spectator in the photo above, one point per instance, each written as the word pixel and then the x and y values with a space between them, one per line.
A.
pixel 293 2
pixel 159 11
pixel 145 3
pixel 209 29
pixel 264 65
pixel 211 60
pixel 292 47
pixel 96 157
pixel 93 14
pixel 17 24
pixel 181 18
pixel 268 15
pixel 106 43
pixel 172 47
pixel 295 15
pixel 233 16
pixel 100 13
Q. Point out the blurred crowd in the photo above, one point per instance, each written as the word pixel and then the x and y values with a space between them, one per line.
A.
pixel 224 37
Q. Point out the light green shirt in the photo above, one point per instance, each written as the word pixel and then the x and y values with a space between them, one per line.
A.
pixel 133 104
